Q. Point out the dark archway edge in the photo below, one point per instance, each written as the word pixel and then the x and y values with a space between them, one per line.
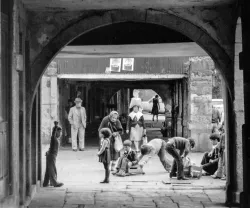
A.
pixel 222 60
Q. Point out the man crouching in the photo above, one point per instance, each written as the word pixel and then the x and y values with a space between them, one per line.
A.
pixel 51 154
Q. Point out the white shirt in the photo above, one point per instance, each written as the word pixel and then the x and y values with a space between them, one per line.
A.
pixel 138 115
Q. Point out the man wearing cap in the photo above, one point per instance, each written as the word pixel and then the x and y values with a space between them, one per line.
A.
pixel 178 148
pixel 77 119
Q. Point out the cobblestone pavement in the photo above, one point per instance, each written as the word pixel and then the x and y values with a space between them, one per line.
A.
pixel 81 173
pixel 129 195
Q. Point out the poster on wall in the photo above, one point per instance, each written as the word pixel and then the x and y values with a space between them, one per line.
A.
pixel 128 64
pixel 115 64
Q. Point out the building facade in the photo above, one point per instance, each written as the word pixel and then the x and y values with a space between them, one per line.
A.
pixel 32 33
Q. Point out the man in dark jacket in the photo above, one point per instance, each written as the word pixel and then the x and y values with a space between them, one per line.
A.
pixel 51 172
pixel 183 145
pixel 210 159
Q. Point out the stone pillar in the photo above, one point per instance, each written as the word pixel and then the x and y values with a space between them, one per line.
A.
pixel 128 100
pixel 119 102
pixel 200 97
pixel 49 102
pixel 245 196
pixel 179 118
pixel 87 98
pixel 239 115
pixel 14 121
pixel 185 108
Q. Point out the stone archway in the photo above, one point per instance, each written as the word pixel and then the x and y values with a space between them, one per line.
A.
pixel 195 33
pixel 221 58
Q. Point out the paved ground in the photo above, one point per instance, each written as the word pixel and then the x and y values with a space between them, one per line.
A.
pixel 81 173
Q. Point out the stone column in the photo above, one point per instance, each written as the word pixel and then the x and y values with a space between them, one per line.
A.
pixel 119 102
pixel 200 97
pixel 179 118
pixel 245 196
pixel 14 122
pixel 185 108
pixel 49 102
pixel 239 115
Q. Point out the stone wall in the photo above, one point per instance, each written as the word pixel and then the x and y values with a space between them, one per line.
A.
pixel 200 97
pixel 49 102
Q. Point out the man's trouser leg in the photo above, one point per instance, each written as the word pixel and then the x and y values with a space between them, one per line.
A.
pixel 173 152
pixel 210 168
pixel 81 134
pixel 163 158
pixel 74 137
pixel 174 168
pixel 219 173
pixel 205 159
pixel 46 176
pixel 52 169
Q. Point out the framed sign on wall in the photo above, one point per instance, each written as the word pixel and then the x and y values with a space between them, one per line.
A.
pixel 115 64
pixel 128 64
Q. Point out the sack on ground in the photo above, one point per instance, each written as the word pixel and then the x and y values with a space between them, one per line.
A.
pixel 191 170
pixel 196 171
pixel 118 143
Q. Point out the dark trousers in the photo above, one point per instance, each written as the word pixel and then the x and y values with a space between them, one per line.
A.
pixel 107 171
pixel 210 168
pixel 177 158
pixel 163 157
pixel 51 172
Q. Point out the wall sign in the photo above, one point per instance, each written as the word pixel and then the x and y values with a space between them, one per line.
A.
pixel 115 64
pixel 128 64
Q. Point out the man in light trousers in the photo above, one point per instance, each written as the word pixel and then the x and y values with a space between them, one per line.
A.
pixel 77 118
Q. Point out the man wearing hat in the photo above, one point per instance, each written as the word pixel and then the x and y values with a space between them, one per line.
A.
pixel 77 118
pixel 128 159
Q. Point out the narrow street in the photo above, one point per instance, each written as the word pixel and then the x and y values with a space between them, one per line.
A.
pixel 81 173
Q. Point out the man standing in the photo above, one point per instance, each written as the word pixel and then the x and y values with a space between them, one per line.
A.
pixel 77 119
pixel 154 147
pixel 51 172
pixel 183 145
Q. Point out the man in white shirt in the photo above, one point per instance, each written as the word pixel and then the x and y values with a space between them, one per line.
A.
pixel 154 147
pixel 77 118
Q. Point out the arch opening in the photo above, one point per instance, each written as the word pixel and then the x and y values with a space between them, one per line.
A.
pixel 74 32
